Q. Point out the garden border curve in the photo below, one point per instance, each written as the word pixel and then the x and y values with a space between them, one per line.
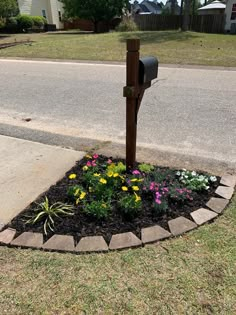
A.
pixel 153 234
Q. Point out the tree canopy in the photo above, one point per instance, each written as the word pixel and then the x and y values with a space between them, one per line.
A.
pixel 95 10
pixel 8 8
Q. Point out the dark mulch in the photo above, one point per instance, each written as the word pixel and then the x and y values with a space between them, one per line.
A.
pixel 81 225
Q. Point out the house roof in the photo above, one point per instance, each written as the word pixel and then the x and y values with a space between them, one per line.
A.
pixel 155 5
pixel 142 7
pixel 214 5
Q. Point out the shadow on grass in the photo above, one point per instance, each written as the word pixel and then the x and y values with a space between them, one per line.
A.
pixel 70 33
pixel 153 37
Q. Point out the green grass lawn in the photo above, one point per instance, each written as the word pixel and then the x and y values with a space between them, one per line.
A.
pixel 169 46
pixel 193 274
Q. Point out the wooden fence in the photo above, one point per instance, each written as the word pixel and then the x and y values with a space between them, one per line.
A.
pixel 154 22
pixel 198 23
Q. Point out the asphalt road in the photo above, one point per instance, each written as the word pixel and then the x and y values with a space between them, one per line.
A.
pixel 187 110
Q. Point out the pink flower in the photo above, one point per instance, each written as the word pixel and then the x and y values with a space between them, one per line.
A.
pixel 136 172
pixel 88 163
pixel 94 163
pixel 157 199
pixel 95 156
pixel 109 161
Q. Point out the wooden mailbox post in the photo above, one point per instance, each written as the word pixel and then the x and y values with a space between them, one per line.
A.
pixel 139 73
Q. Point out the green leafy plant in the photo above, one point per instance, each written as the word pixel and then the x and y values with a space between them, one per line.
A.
pixel 146 168
pixel 38 21
pixel 48 213
pixel 97 208
pixel 160 208
pixel 129 205
pixel 194 181
pixel 12 25
pixel 25 22
pixel 117 168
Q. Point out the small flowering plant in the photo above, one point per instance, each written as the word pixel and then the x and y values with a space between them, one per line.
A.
pixel 195 181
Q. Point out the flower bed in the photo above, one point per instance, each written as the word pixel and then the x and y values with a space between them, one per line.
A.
pixel 98 197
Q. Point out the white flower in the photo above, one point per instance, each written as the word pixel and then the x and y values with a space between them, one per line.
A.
pixel 186 176
pixel 201 178
pixel 213 179
pixel 194 173
pixel 178 173
pixel 206 187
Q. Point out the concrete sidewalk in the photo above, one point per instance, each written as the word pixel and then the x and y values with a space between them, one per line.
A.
pixel 27 169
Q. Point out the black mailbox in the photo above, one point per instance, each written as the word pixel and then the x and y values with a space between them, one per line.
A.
pixel 148 68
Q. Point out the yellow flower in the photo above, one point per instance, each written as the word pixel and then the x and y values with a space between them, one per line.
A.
pixel 124 188
pixel 134 180
pixel 109 173
pixel 115 175
pixel 135 188
pixel 103 181
pixel 104 205
pixel 77 201
pixel 72 176
pixel 88 156
pixel 96 174
pixel 140 180
pixel 76 192
pixel 137 198
pixel 85 168
pixel 83 194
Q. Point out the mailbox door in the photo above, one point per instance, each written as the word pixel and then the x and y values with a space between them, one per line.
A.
pixel 148 69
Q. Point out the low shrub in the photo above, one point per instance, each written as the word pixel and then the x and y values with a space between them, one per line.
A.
pixel 38 21
pixel 25 22
pixel 12 25
pixel 127 25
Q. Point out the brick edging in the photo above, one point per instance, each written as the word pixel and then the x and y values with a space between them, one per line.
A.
pixel 65 243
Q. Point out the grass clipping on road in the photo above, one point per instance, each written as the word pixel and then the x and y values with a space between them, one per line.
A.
pixel 193 274
pixel 174 47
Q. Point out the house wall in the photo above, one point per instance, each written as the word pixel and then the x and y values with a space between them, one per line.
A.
pixel 56 6
pixel 228 12
pixel 35 7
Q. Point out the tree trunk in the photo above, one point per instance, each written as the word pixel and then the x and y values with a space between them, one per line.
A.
pixel 186 17
pixel 181 7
